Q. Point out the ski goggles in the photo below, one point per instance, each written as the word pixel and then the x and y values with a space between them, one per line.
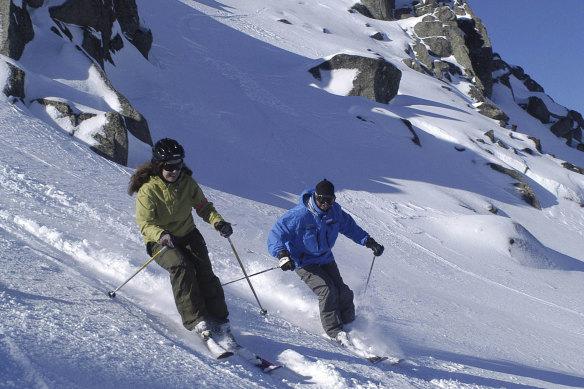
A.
pixel 325 199
pixel 170 167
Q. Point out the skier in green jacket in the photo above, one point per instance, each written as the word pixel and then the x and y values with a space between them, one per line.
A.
pixel 167 193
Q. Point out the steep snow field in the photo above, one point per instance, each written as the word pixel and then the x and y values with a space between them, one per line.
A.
pixel 470 298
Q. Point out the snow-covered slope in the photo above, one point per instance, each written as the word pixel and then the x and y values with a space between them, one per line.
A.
pixel 473 299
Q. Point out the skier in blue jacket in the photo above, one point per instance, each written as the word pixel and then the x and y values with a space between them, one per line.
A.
pixel 302 240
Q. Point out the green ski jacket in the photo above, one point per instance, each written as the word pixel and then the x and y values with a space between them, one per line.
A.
pixel 163 206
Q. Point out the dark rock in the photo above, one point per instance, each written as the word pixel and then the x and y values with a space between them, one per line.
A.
pixel 489 110
pixel 403 13
pixel 577 116
pixel 16 29
pixel 491 135
pixel 15 85
pixel 93 17
pixel 443 70
pixel 537 108
pixel 563 128
pixel 428 6
pixel 527 193
pixel 135 123
pixel 377 36
pixel 429 29
pixel 114 146
pixel 378 80
pixel 422 55
pixel 520 74
pixel 63 108
pixel 572 167
pixel 536 142
pixel 415 137
pixel 532 86
pixel 127 14
pixel 96 19
pixel 480 52
pixel 34 3
pixel 376 9
pixel 445 14
pixel 415 65
pixel 362 10
pixel 438 46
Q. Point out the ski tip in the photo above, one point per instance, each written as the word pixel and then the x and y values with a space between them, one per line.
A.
pixel 265 365
pixel 376 359
pixel 391 360
pixel 226 354
pixel 271 368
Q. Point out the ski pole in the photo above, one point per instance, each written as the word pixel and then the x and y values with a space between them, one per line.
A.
pixel 112 293
pixel 369 276
pixel 262 310
pixel 251 275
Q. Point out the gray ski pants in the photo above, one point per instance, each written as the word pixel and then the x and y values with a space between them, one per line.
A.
pixel 335 298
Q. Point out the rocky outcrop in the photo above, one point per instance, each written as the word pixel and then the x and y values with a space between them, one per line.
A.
pixel 567 124
pixel 377 80
pixel 16 28
pixel 493 112
pixel 442 34
pixel 111 136
pixel 127 13
pixel 376 9
pixel 94 21
pixel 15 84
pixel 449 29
pixel 537 108
pixel 525 190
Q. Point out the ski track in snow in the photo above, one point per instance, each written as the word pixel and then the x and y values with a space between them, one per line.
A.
pixel 54 252
pixel 68 235
pixel 407 247
pixel 53 246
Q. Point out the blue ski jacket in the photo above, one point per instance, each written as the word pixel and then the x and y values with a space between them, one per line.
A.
pixel 309 233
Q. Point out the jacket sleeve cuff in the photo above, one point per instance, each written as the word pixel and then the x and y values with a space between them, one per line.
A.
pixel 283 253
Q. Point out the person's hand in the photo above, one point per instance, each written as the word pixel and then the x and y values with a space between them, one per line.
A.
pixel 373 245
pixel 224 228
pixel 285 262
pixel 166 239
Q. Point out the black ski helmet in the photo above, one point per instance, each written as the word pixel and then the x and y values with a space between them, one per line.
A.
pixel 167 149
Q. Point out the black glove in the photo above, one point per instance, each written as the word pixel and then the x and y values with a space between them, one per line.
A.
pixel 224 228
pixel 166 239
pixel 285 263
pixel 373 245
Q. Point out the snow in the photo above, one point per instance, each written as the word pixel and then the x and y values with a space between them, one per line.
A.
pixel 470 298
pixel 338 82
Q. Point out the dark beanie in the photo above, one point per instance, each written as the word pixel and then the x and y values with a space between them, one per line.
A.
pixel 325 188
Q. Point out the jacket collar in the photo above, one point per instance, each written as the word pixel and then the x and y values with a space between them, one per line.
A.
pixel 308 199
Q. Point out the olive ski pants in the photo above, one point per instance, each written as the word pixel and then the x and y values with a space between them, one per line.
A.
pixel 335 299
pixel 198 293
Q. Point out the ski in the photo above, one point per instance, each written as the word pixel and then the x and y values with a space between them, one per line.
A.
pixel 263 364
pixel 375 359
pixel 229 343
pixel 372 358
pixel 360 351
pixel 216 349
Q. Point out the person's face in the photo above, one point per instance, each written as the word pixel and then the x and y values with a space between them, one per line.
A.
pixel 324 202
pixel 171 169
